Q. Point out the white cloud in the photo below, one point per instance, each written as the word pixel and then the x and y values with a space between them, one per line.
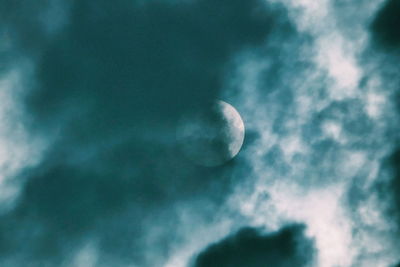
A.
pixel 309 182
pixel 86 256
pixel 18 148
pixel 314 188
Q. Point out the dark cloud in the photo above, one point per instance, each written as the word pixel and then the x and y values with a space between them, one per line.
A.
pixel 135 64
pixel 385 27
pixel 109 88
pixel 250 248
pixel 19 21
pixel 389 190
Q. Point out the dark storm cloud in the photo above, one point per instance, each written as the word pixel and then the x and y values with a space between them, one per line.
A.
pixel 385 27
pixel 109 88
pixel 250 248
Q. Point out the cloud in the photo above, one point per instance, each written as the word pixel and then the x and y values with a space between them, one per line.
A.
pixel 107 86
pixel 249 247
pixel 145 63
pixel 384 26
pixel 324 125
pixel 109 83
pixel 394 185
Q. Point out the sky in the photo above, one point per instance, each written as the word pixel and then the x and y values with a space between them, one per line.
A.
pixel 93 92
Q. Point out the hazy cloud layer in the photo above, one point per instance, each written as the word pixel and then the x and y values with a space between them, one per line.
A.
pixel 110 82
pixel 92 94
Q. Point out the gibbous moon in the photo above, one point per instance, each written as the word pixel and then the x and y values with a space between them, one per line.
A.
pixel 212 136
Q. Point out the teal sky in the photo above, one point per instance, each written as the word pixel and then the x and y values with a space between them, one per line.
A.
pixel 93 92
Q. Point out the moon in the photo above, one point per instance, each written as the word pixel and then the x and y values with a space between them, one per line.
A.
pixel 212 136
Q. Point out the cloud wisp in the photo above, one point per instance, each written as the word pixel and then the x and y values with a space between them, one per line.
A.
pixel 324 126
pixel 92 95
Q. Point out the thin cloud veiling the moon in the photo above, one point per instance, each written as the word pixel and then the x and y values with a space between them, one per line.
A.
pixel 212 136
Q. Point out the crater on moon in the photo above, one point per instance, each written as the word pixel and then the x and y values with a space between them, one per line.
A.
pixel 212 136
